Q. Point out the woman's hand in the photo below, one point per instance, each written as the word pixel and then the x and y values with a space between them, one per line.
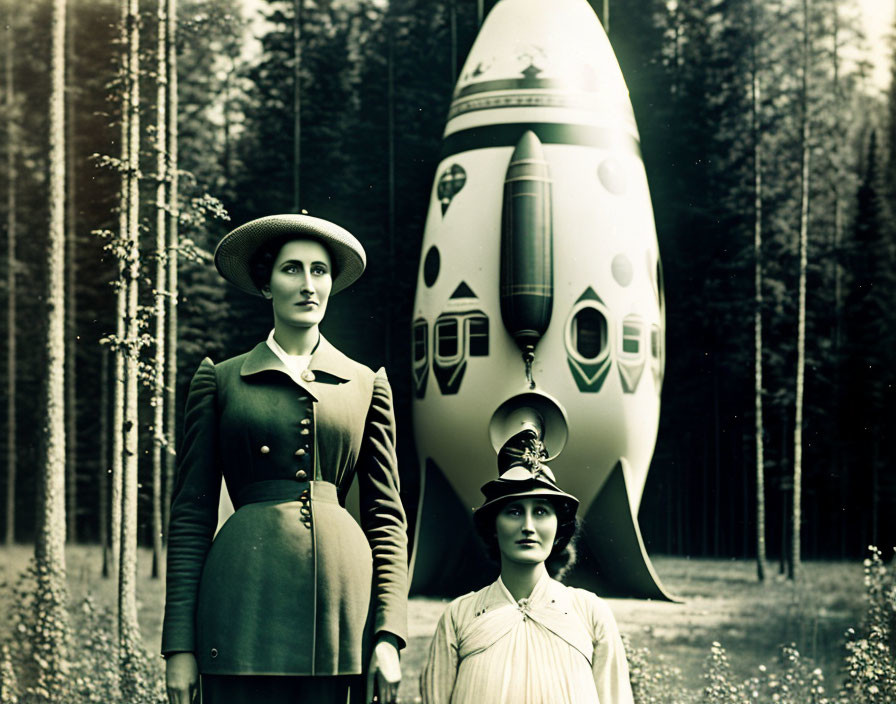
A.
pixel 182 678
pixel 384 673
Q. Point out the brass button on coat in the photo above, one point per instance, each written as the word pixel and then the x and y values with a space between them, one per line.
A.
pixel 264 449
pixel 301 475
pixel 305 431
pixel 308 375
pixel 214 652
pixel 306 421
pixel 300 452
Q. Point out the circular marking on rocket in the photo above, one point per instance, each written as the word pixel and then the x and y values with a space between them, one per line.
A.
pixel 612 176
pixel 451 182
pixel 622 270
pixel 431 265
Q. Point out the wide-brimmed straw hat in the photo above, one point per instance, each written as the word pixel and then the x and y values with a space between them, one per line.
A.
pixel 523 480
pixel 234 253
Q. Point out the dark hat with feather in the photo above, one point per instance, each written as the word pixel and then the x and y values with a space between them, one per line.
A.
pixel 524 475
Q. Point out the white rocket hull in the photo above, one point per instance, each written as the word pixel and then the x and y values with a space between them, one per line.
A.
pixel 546 67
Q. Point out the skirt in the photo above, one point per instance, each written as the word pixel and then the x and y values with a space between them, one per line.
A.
pixel 230 689
pixel 286 587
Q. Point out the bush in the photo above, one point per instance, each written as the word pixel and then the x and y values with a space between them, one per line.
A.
pixel 90 675
pixel 870 666
pixel 870 663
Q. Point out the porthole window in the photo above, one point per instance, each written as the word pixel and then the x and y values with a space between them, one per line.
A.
pixel 419 341
pixel 477 334
pixel 446 338
pixel 632 335
pixel 586 333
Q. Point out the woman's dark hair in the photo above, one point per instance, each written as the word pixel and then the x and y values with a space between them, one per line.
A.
pixel 563 555
pixel 261 264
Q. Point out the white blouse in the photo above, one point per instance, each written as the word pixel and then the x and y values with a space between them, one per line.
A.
pixel 560 645
pixel 295 363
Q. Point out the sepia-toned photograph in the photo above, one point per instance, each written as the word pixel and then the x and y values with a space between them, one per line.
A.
pixel 448 351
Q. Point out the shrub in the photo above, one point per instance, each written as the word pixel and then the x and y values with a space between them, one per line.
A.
pixel 91 674
pixel 870 666
pixel 653 680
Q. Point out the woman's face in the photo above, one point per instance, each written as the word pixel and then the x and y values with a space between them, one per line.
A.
pixel 301 279
pixel 526 530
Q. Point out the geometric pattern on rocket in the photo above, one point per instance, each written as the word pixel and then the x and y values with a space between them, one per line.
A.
pixel 458 335
pixel 449 185
pixel 631 353
pixel 420 354
pixel 587 342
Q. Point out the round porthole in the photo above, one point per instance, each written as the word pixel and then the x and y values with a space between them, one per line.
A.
pixel 586 333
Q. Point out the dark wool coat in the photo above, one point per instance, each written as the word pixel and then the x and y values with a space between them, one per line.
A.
pixel 290 581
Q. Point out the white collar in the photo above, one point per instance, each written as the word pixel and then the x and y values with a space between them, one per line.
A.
pixel 295 363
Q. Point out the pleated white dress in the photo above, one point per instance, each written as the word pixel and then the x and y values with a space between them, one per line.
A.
pixel 559 646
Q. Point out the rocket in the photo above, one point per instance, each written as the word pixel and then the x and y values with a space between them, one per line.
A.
pixel 539 304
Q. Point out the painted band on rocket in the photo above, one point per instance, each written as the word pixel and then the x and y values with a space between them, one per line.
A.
pixel 525 83
pixel 529 100
pixel 507 135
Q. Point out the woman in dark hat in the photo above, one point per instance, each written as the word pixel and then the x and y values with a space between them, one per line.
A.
pixel 292 600
pixel 526 638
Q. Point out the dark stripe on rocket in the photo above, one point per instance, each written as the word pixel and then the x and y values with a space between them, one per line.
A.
pixel 527 251
pixel 508 134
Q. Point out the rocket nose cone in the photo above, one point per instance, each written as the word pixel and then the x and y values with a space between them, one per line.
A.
pixel 529 147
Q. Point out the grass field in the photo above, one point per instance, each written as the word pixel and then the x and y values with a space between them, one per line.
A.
pixel 720 601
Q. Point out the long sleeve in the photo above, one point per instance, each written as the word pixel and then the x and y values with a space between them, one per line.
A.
pixel 194 511
pixel 440 671
pixel 610 668
pixel 382 514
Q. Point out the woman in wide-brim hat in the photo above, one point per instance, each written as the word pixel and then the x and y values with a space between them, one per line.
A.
pixel 526 638
pixel 292 600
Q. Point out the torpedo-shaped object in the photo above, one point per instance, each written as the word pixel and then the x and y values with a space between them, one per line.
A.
pixel 527 265
pixel 539 310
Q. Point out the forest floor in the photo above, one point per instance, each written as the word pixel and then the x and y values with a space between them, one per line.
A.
pixel 720 601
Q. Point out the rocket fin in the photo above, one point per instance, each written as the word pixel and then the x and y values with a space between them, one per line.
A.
pixel 452 559
pixel 612 559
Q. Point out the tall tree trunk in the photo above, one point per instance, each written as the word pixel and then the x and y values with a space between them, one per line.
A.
pixel 837 333
pixel 452 21
pixel 49 549
pixel 158 391
pixel 128 627
pixel 757 310
pixel 71 331
pixel 875 484
pixel 103 478
pixel 173 254
pixel 390 146
pixel 297 106
pixel 118 399
pixel 801 311
pixel 11 144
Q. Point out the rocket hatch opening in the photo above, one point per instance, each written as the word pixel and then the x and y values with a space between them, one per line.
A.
pixel 587 339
